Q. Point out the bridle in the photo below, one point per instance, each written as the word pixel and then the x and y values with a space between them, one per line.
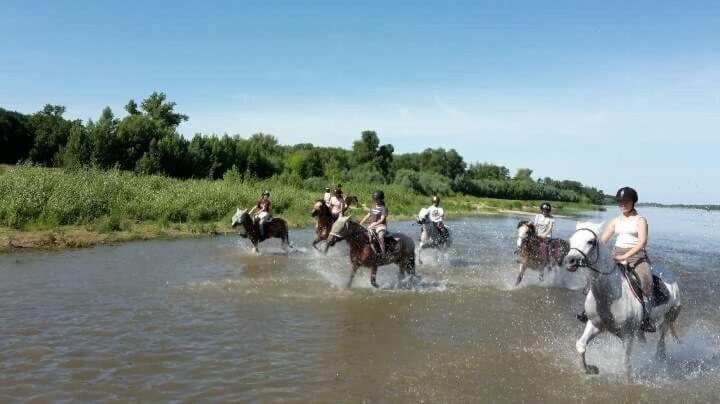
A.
pixel 585 261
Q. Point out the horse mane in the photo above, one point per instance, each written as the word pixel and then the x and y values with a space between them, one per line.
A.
pixel 526 223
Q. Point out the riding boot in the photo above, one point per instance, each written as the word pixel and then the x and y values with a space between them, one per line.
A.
pixel 381 241
pixel 582 317
pixel 647 324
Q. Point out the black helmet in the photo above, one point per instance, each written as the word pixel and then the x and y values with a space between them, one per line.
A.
pixel 379 195
pixel 266 192
pixel 626 194
pixel 436 199
pixel 545 206
pixel 327 189
pixel 339 186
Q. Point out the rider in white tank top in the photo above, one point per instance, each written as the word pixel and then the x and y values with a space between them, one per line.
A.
pixel 626 230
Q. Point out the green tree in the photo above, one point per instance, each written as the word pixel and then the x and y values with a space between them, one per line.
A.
pixel 16 139
pixel 79 148
pixel 364 150
pixel 51 132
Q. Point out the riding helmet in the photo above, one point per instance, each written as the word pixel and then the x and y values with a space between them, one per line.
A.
pixel 436 199
pixel 378 195
pixel 545 206
pixel 266 192
pixel 626 194
pixel 327 189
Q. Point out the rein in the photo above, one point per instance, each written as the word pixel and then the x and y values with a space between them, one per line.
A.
pixel 585 262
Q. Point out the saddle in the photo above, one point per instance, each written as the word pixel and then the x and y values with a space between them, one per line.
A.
pixel 391 243
pixel 442 230
pixel 261 233
pixel 661 294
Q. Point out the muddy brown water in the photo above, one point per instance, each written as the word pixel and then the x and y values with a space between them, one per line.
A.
pixel 207 320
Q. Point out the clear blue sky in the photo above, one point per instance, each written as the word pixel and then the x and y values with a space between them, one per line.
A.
pixel 609 93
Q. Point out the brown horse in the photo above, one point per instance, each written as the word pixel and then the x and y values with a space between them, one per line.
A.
pixel 533 251
pixel 277 228
pixel 400 249
pixel 323 223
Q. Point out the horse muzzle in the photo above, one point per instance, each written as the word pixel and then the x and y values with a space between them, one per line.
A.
pixel 573 263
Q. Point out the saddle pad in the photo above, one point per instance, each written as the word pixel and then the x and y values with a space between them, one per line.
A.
pixel 661 294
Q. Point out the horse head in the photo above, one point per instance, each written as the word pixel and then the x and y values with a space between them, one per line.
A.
pixel 423 216
pixel 241 218
pixel 319 208
pixel 526 229
pixel 583 243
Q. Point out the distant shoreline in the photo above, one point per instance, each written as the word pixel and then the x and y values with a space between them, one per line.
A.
pixel 679 205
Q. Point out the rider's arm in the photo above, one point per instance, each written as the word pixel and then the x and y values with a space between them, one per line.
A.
pixel 365 218
pixel 642 239
pixel 609 231
pixel 253 210
pixel 380 220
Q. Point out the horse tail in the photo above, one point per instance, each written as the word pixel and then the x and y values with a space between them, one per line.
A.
pixel 671 318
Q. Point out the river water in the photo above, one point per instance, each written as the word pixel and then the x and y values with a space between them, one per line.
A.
pixel 207 320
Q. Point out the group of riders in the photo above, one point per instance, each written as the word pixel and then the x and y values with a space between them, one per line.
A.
pixel 377 214
pixel 630 230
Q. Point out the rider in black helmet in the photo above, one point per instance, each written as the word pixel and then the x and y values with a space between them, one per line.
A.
pixel 631 231
pixel 378 216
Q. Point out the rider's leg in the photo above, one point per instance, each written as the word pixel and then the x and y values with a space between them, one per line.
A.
pixel 642 269
pixel 381 239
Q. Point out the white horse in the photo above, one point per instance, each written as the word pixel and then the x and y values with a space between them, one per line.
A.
pixel 611 304
pixel 430 236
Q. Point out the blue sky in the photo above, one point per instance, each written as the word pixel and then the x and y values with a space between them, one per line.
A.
pixel 609 93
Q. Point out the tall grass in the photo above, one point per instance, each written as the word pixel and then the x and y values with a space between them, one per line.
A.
pixel 35 197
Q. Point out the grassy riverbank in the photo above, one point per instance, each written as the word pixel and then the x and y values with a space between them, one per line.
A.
pixel 57 208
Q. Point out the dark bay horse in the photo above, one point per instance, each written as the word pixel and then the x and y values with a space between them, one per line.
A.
pixel 400 249
pixel 533 251
pixel 277 228
pixel 323 223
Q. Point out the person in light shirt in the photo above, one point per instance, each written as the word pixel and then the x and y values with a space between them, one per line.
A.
pixel 337 204
pixel 436 215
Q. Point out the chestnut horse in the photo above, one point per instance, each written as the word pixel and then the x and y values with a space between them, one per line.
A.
pixel 277 228
pixel 323 223
pixel 400 249
pixel 533 250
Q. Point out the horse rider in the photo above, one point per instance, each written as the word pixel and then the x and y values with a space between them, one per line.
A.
pixel 378 216
pixel 544 223
pixel 327 196
pixel 264 212
pixel 337 204
pixel 436 215
pixel 631 231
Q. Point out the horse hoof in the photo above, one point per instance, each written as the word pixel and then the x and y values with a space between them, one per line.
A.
pixel 375 285
pixel 591 370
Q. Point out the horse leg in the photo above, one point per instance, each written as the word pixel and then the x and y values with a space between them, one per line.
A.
pixel 353 271
pixel 660 354
pixel 628 344
pixel 420 248
pixel 581 346
pixel 373 276
pixel 315 243
pixel 523 267
pixel 327 246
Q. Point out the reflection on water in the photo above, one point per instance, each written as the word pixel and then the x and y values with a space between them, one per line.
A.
pixel 206 319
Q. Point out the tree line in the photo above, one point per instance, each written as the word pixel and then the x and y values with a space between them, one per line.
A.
pixel 146 141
